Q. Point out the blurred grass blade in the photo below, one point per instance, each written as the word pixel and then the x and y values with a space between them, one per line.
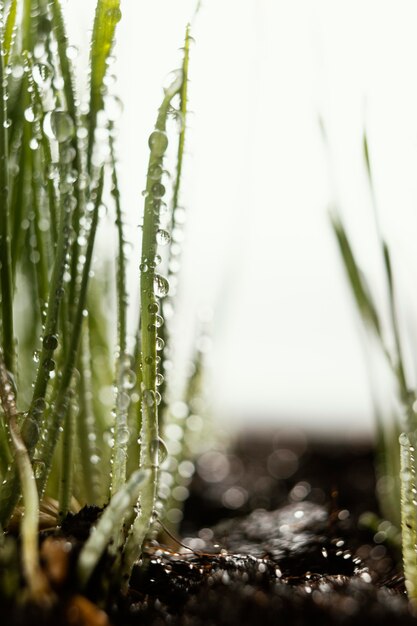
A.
pixel 7 327
pixel 38 586
pixel 64 60
pixel 106 18
pixel 62 400
pixel 359 288
pixel 9 29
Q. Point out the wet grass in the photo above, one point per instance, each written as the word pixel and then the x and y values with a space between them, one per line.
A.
pixel 80 422
pixel 396 437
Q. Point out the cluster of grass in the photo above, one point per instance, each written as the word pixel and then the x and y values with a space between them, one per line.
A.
pixel 396 437
pixel 80 421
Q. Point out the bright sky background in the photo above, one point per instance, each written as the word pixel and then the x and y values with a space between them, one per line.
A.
pixel 257 186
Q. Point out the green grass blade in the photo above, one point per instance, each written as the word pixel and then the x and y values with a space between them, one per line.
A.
pixel 107 16
pixel 29 523
pixel 7 327
pixel 360 290
pixel 9 29
pixel 62 400
pixel 120 504
pixel 67 463
pixel 123 365
pixel 409 514
pixel 177 187
pixel 152 288
pixel 9 491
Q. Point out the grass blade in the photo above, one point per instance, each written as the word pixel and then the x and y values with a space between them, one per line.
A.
pixel 8 341
pixel 9 29
pixel 62 400
pixel 409 514
pixel 123 365
pixel 37 583
pixel 107 16
pixel 120 504
pixel 153 287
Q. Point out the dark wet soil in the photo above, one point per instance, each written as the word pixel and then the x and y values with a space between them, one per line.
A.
pixel 272 537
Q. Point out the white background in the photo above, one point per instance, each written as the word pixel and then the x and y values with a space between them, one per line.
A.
pixel 258 183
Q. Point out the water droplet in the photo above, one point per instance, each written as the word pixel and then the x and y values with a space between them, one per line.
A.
pixel 29 114
pixel 123 401
pixel 159 379
pixel 149 397
pixel 163 237
pixel 158 190
pixel 161 286
pixel 153 307
pixel 113 108
pixel 143 267
pixel 58 125
pixel 49 365
pixel 129 379
pixel 158 143
pixel 155 171
pixel 71 52
pixel 158 450
pixel 159 321
pixel 30 432
pixel 122 435
pixel 148 360
pixel 42 75
pixel 50 342
pixel 160 343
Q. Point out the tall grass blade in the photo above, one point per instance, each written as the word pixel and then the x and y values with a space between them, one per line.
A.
pixel 62 400
pixel 409 513
pixel 360 290
pixel 8 340
pixel 107 16
pixel 124 373
pixel 9 29
pixel 153 287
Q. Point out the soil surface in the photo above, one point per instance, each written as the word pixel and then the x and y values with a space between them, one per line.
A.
pixel 270 535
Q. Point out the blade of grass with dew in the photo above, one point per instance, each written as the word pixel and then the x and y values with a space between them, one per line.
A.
pixel 177 186
pixel 66 465
pixel 107 16
pixel 87 427
pixel 78 161
pixel 123 365
pixel 9 491
pixel 36 580
pixel 61 403
pixel 7 326
pixel 120 504
pixel 135 412
pixel 409 514
pixel 53 200
pixel 153 287
pixel 9 30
